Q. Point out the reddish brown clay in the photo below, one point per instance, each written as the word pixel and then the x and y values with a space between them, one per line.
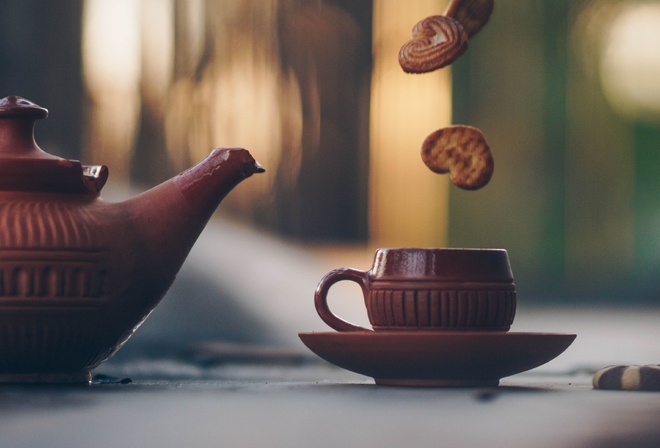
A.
pixel 472 14
pixel 429 289
pixel 78 275
pixel 440 359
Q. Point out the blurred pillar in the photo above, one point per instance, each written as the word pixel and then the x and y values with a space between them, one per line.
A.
pixel 555 62
pixel 150 163
pixel 325 50
pixel 511 83
pixel 41 61
pixel 111 67
pixel 599 164
pixel 646 204
pixel 408 202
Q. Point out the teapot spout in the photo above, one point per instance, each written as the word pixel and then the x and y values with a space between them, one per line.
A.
pixel 168 218
pixel 206 184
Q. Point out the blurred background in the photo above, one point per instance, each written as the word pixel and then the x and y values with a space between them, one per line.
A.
pixel 567 93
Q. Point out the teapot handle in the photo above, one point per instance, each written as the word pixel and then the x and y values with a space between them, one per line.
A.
pixel 321 296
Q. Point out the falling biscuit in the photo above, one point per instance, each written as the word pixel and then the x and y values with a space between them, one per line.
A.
pixel 436 42
pixel 462 152
pixel 471 14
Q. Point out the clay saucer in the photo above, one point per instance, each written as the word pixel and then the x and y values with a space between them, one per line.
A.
pixel 445 359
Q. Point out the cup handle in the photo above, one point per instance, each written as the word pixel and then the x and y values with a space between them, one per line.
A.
pixel 321 296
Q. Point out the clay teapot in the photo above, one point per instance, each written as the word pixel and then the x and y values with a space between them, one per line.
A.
pixel 78 275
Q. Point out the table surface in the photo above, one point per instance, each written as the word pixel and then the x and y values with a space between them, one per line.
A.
pixel 321 406
pixel 289 398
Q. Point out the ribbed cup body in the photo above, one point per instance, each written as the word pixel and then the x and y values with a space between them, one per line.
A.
pixel 447 306
pixel 441 289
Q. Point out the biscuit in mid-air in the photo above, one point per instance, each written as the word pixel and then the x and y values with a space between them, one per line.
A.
pixel 436 42
pixel 461 151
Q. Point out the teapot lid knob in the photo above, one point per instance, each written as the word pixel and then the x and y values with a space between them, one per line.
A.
pixel 15 106
pixel 17 117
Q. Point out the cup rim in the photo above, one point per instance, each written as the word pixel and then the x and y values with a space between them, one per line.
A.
pixel 441 264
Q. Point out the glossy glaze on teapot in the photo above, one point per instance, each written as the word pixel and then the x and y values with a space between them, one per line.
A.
pixel 78 274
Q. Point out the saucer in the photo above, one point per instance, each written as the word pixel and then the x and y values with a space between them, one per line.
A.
pixel 446 359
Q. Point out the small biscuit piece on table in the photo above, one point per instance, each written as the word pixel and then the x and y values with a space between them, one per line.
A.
pixel 472 14
pixel 436 42
pixel 641 378
pixel 461 151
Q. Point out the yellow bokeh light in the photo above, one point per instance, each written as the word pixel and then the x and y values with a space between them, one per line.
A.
pixel 630 64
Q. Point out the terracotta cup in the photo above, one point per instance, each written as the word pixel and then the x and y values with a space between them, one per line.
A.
pixel 429 289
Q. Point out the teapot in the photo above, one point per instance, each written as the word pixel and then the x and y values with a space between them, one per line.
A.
pixel 78 275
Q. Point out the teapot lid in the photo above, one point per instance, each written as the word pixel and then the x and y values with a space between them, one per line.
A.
pixel 24 166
